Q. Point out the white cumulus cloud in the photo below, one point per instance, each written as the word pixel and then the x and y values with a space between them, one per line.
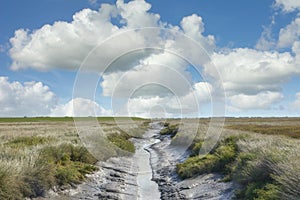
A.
pixel 251 71
pixel 262 100
pixel 36 99
pixel 25 99
pixel 64 45
pixel 80 107
pixel 61 45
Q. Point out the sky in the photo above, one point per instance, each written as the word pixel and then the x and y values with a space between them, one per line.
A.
pixel 153 58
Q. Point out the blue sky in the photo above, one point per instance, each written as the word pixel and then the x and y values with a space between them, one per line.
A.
pixel 253 44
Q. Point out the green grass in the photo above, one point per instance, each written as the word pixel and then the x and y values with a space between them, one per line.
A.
pixel 71 162
pixel 11 186
pixel 65 164
pixel 122 141
pixel 169 129
pixel 218 160
pixel 255 171
pixel 255 176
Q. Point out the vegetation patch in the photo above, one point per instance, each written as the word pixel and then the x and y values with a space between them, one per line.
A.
pixel 263 173
pixel 10 184
pixel 65 164
pixel 170 129
pixel 255 174
pixel 218 160
pixel 122 141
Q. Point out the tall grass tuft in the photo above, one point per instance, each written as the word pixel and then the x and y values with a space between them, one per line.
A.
pixel 218 160
pixel 65 164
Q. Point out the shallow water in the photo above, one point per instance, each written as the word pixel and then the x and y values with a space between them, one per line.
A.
pixel 147 189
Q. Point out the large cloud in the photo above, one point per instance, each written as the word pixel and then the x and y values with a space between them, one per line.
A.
pixel 262 100
pixel 80 107
pixel 28 99
pixel 61 45
pixel 64 45
pixel 250 71
pixel 253 79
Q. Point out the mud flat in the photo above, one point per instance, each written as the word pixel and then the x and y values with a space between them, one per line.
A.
pixel 148 174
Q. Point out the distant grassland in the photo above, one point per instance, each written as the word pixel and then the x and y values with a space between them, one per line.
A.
pixel 63 119
pixel 288 126
pixel 288 130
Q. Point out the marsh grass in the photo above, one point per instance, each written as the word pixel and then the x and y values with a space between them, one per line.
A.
pixel 262 160
pixel 170 129
pixel 122 141
pixel 65 164
pixel 218 160
pixel 38 154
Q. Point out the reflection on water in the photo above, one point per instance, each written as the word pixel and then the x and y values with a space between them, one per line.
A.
pixel 148 189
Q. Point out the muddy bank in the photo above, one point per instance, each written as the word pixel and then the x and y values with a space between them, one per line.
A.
pixel 208 186
pixel 148 174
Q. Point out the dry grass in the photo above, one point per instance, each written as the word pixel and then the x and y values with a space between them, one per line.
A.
pixel 37 155
pixel 270 129
pixel 267 163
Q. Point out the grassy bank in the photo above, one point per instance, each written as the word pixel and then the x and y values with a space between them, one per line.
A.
pixel 169 129
pixel 47 153
pixel 53 165
pixel 122 141
pixel 265 166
